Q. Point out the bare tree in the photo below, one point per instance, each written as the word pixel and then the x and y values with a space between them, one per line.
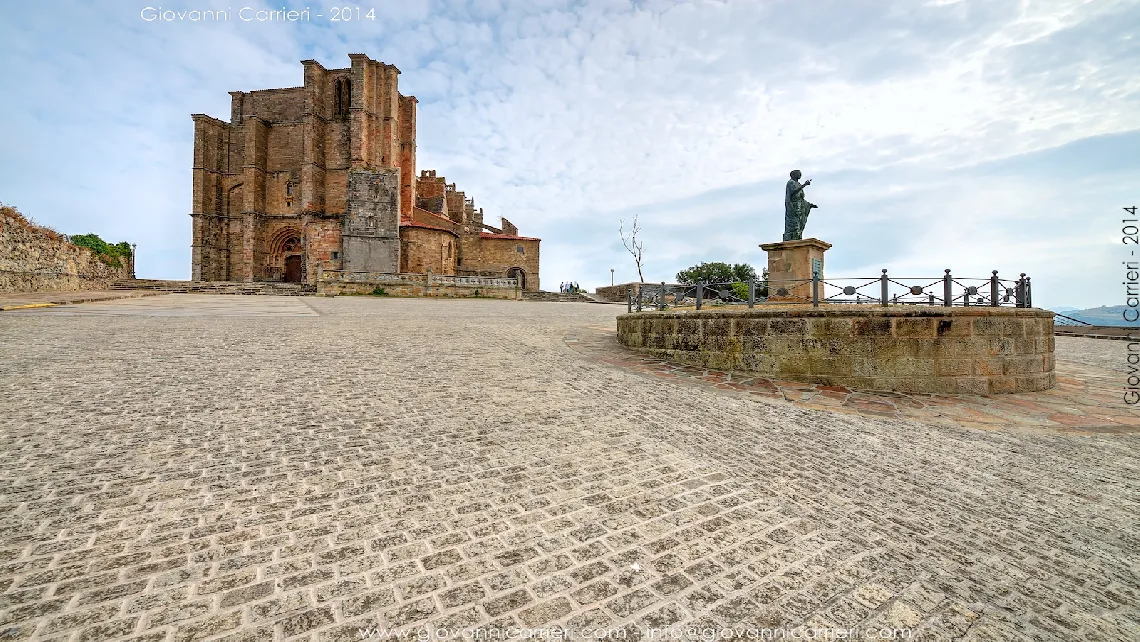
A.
pixel 632 245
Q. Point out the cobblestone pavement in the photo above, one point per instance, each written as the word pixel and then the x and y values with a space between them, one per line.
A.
pixel 1088 397
pixel 176 475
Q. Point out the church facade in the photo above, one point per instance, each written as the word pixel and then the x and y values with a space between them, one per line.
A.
pixel 323 177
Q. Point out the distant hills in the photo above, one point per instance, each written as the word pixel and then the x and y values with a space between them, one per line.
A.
pixel 1104 315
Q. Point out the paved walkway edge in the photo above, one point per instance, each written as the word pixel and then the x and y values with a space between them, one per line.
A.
pixel 24 306
pixel 79 297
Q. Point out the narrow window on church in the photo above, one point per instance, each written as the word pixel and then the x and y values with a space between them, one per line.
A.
pixel 520 249
pixel 343 96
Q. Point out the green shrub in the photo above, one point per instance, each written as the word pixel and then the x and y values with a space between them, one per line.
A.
pixel 379 291
pixel 110 254
pixel 717 272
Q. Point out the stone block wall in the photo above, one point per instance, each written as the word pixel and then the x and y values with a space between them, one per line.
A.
pixel 497 254
pixel 33 259
pixel 371 237
pixel 416 285
pixel 979 350
pixel 424 248
pixel 617 292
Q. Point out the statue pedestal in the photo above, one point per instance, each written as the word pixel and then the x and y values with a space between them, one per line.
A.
pixel 790 266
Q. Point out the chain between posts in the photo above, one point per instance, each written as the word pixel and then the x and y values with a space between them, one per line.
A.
pixel 890 291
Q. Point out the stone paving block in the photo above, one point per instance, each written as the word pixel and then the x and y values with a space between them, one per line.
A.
pixel 368 602
pixel 279 606
pixel 306 621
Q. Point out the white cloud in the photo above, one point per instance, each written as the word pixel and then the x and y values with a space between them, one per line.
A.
pixel 562 116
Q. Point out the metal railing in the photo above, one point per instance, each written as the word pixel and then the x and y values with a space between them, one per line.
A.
pixel 884 290
pixel 1061 319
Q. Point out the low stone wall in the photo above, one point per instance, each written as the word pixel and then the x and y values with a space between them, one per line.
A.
pixel 968 350
pixel 33 259
pixel 617 293
pixel 333 282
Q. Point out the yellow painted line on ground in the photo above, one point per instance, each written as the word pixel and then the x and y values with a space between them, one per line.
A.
pixel 24 306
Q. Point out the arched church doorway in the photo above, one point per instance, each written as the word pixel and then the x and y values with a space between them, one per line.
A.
pixel 287 256
pixel 517 273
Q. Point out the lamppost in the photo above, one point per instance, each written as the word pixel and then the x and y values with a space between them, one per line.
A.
pixel 133 254
pixel 611 277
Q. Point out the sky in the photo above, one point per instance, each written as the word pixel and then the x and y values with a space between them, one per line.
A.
pixel 974 135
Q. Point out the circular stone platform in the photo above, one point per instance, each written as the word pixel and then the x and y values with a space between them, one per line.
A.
pixel 967 350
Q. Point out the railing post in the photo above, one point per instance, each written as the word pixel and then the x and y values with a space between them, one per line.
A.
pixel 883 287
pixel 628 300
pixel 994 289
pixel 661 301
pixel 752 293
pixel 700 294
pixel 1028 293
pixel 640 295
pixel 947 291
pixel 814 289
pixel 1019 293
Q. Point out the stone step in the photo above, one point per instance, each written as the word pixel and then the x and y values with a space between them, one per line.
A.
pixel 216 287
pixel 559 297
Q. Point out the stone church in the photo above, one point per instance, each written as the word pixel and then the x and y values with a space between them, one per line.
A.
pixel 323 178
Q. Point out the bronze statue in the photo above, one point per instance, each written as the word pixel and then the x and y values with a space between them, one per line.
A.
pixel 796 209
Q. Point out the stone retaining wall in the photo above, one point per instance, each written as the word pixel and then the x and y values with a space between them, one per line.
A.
pixel 968 350
pixel 335 282
pixel 33 259
pixel 617 293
